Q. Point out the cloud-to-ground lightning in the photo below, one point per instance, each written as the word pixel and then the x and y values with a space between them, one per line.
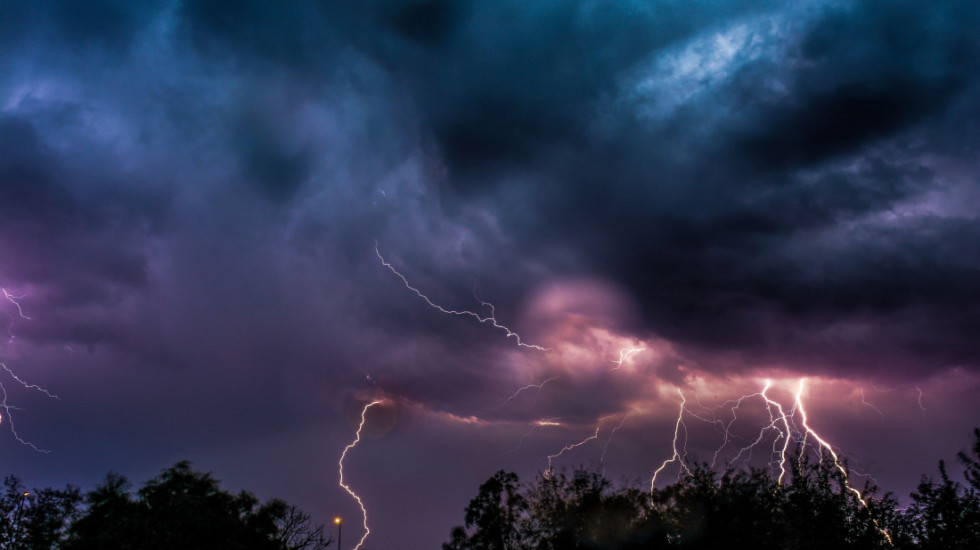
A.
pixel 824 445
pixel 783 422
pixel 340 466
pixel 784 433
pixel 783 425
pixel 677 456
pixel 491 318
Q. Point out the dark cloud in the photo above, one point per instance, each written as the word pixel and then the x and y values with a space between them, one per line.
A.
pixel 58 232
pixel 193 191
pixel 693 208
pixel 108 24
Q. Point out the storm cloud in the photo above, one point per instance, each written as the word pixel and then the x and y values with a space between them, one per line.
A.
pixel 197 198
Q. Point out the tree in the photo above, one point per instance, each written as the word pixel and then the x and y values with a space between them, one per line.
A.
pixel 494 515
pixel 814 507
pixel 185 509
pixel 579 511
pixel 946 515
pixel 35 520
pixel 296 530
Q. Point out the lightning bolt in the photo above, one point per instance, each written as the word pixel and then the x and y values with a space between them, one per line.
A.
pixel 20 312
pixel 602 458
pixel 4 405
pixel 13 300
pixel 785 434
pixel 340 466
pixel 625 354
pixel 824 445
pixel 919 390
pixel 876 409
pixel 677 456
pixel 491 319
pixel 726 428
pixel 567 448
pixel 534 426
pixel 522 390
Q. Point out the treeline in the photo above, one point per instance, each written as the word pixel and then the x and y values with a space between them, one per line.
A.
pixel 181 509
pixel 812 509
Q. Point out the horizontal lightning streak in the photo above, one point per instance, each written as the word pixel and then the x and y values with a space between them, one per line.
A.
pixel 534 426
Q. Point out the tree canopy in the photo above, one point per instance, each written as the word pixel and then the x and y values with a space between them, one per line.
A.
pixel 814 508
pixel 180 508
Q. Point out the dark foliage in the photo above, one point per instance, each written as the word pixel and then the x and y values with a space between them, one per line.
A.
pixel 35 520
pixel 180 508
pixel 814 508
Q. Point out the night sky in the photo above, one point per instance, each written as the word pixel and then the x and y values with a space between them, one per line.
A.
pixel 198 200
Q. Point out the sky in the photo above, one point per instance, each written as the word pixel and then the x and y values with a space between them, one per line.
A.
pixel 226 227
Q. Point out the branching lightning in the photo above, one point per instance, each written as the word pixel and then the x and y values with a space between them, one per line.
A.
pixel 491 318
pixel 785 434
pixel 784 425
pixel 677 457
pixel 340 466
pixel 830 450
pixel 4 405
pixel 787 428
pixel 20 310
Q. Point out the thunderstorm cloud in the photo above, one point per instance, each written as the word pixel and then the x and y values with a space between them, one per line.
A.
pixel 196 197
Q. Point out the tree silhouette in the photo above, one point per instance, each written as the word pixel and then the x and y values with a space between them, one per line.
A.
pixel 186 509
pixel 494 515
pixel 815 507
pixel 34 520
pixel 946 515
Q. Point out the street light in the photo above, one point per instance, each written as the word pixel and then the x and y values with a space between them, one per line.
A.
pixel 336 521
